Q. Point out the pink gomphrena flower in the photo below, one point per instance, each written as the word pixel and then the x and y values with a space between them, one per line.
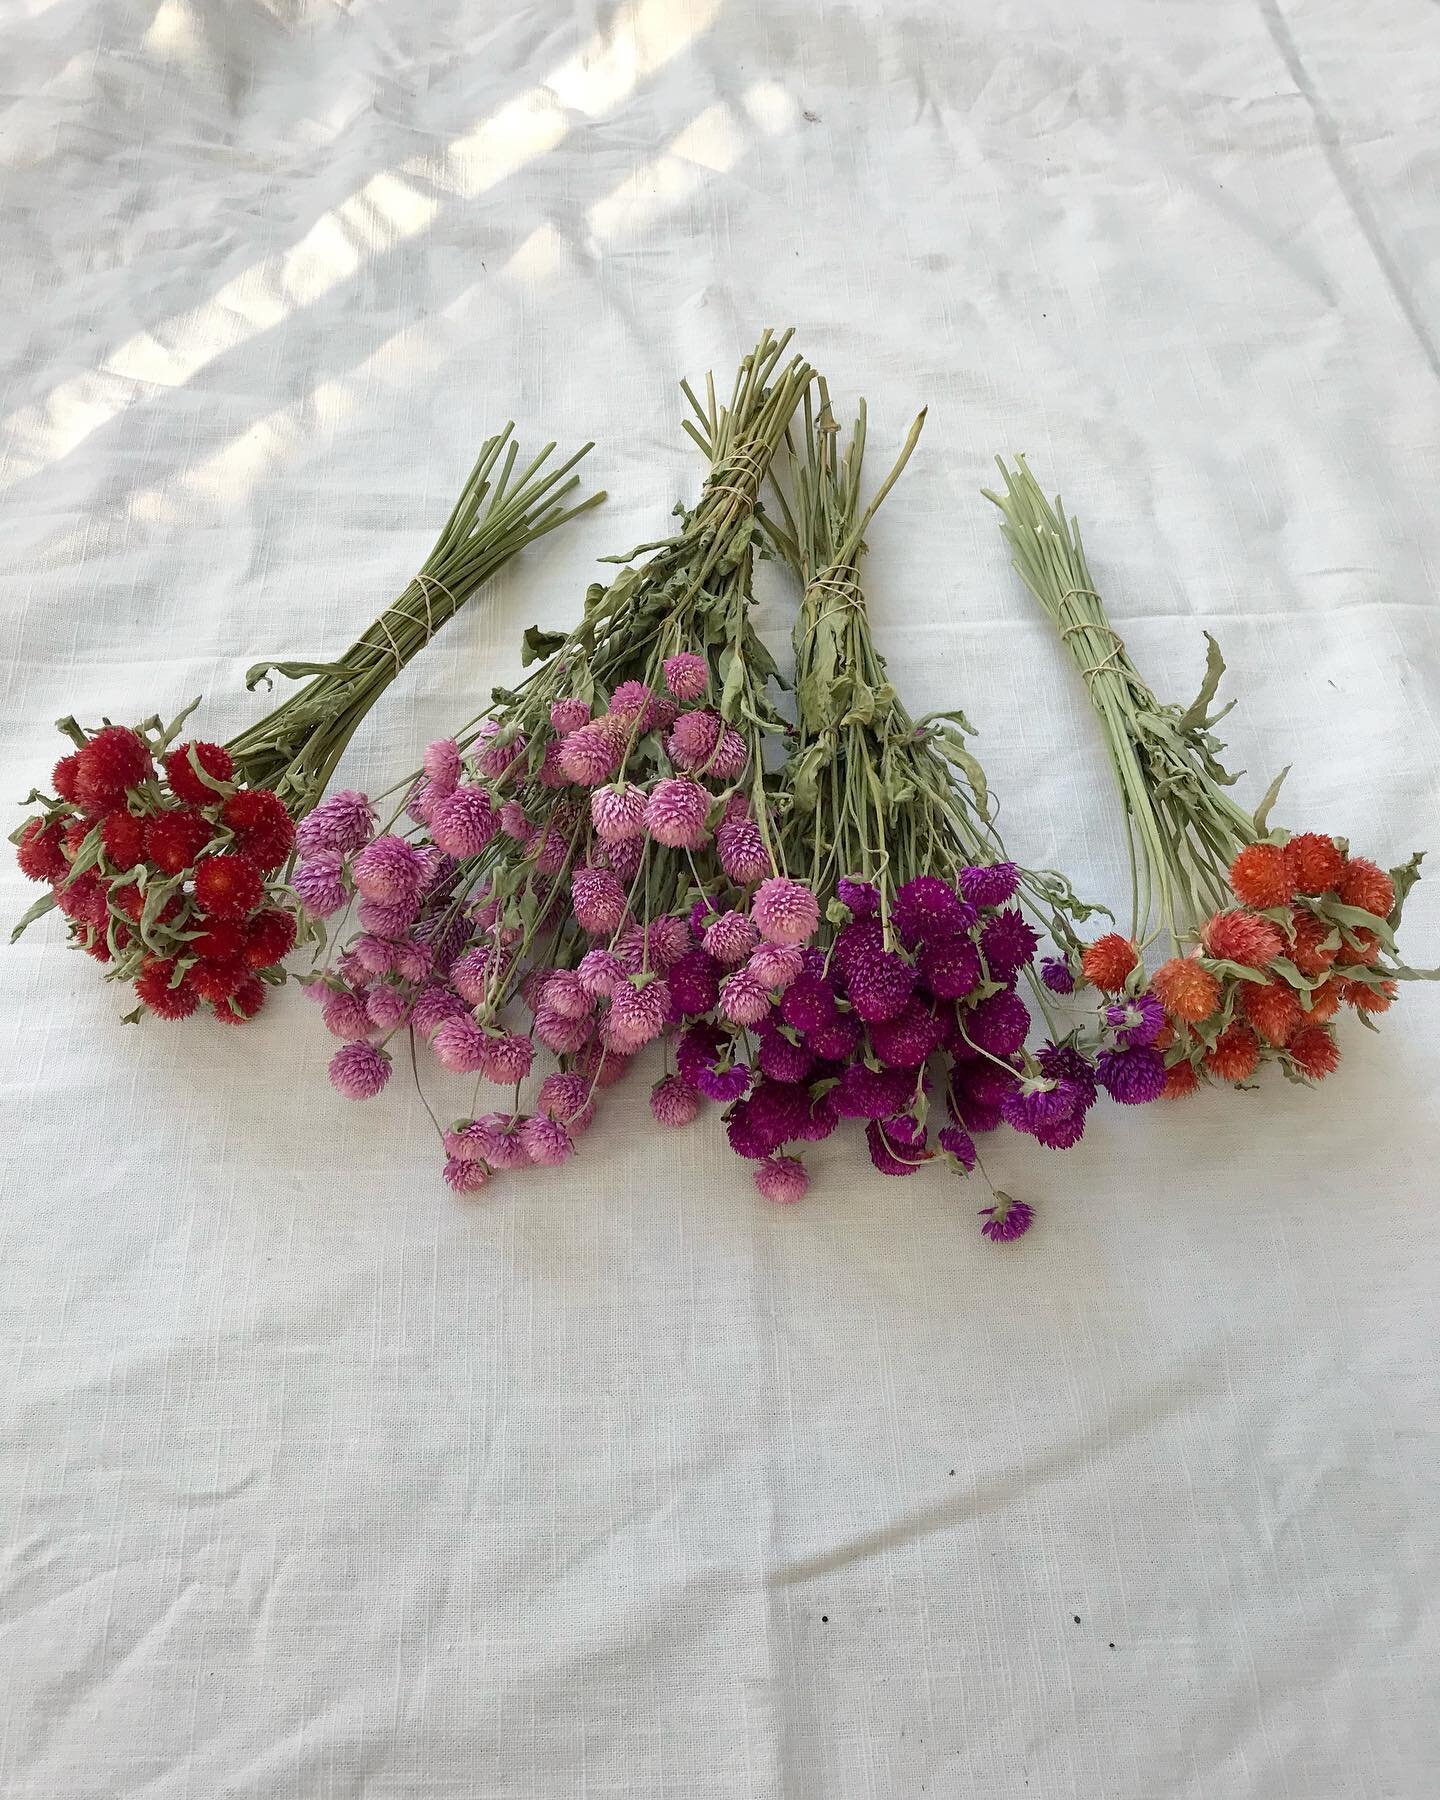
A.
pixel 782 1179
pixel 434 1006
pixel 676 811
pixel 618 813
pixel 320 883
pixel 600 972
pixel 351 969
pixel 387 1007
pixel 532 986
pixel 598 899
pixel 387 920
pixel 546 1142
pixel 743 999
pixel 497 1138
pixel 655 947
pixel 514 823
pixel 442 767
pixel 640 708
pixel 743 855
pixel 693 738
pixel 474 974
pixel 553 851
pixel 463 1177
pixel 493 752
pixel 636 1017
pixel 413 961
pixel 730 939
pixel 568 715
pixel 507 1059
pixel 777 965
pixel 376 953
pixel 343 822
pixel 601 1065
pixel 421 802
pixel 566 1098
pixel 686 675
pixel 785 911
pixel 346 1015
pixel 564 992
pixel 730 757
pixel 550 775
pixel 460 1046
pixel 625 859
pixel 563 1036
pixel 590 755
pixel 359 1071
pixel 673 1101
pixel 464 822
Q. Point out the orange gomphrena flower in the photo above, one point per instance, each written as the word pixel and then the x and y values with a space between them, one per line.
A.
pixel 1180 1080
pixel 1364 884
pixel 1164 1037
pixel 1108 961
pixel 1371 1000
pixel 1260 876
pixel 1186 989
pixel 1324 1003
pixel 1314 1052
pixel 1274 1010
pixel 1365 950
pixel 1308 953
pixel 1241 937
pixel 1314 862
pixel 1236 1054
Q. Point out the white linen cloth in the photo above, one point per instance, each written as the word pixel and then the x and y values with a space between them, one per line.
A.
pixel 315 1482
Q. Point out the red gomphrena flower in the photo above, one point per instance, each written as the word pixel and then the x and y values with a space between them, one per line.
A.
pixel 185 784
pixel 1273 1009
pixel 74 835
pixel 1186 989
pixel 123 836
pixel 174 839
pixel 1241 937
pixel 1363 948
pixel 1309 952
pixel 1314 1052
pixel 1370 999
pixel 243 1004
pixel 1108 961
pixel 227 886
pixel 1260 876
pixel 1180 1080
pixel 269 939
pixel 1362 883
pixel 1314 862
pixel 131 901
pixel 41 852
pixel 65 774
pixel 264 831
pixel 1324 1003
pixel 217 981
pixel 222 940
pixel 115 759
pixel 161 993
pixel 1236 1054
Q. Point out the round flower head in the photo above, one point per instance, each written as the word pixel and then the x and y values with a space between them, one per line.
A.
pixel 905 1041
pixel 546 1142
pixel 742 851
pixel 1314 1052
pixel 39 852
pixel 1132 1077
pixel 472 974
pixel 464 822
pixel 1367 999
pixel 1038 1102
pixel 566 1098
pixel 618 813
pixel 1180 1080
pixel 591 754
pixel 240 1005
pixel 862 897
pixel 162 993
pixel 568 715
pixel 808 1002
pixel 460 1046
pixel 463 1177
pixel 1272 1008
pixel 1365 885
pixel 1064 1062
pixel 1324 1003
pixel 1136 1022
pixel 866 1093
pixel 694 984
pixel 781 1059
pixel 263 830
pixel 1235 1055
pixel 636 1017
pixel 496 753
pixel 64 776
pixel 743 999
pixel 600 1066
pixel 514 823
pixel 1243 938
pixel 837 1039
pixel 441 764
pixel 359 1071
pixel 388 870
pixel 1260 876
pixel 1314 862
pixel 637 706
pixel 600 972
pixel 550 775
pixel 1108 961
pixel 1006 1220
pixel 785 911
pixel 598 900
pixel 782 1179
pixel 998 1025
pixel 346 1015
pixel 227 886
pixel 731 754
pixel 565 994
pixel 1008 943
pixel 927 909
pixel 991 885
pixel 955 1141
pixel 730 939
pixel 667 939
pixel 776 965
pixel 694 738
pixel 174 839
pixel 186 783
pixel 434 1006
pixel 115 759
pixel 123 836
pixel 343 822
pixel 686 675
pixel 1056 973
pixel 676 811
pixel 1186 989
pixel 495 1138
pixel 879 984
pixel 386 1006
pixel 507 1059
pixel 895 1148
pixel 563 1036
pixel 624 859
pixel 673 1101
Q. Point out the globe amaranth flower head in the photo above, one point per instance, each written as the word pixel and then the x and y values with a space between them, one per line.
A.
pixel 1136 1022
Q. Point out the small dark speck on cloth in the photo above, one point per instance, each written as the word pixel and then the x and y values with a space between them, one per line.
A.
pixel 1077 1618
pixel 810 118
pixel 1112 1646
pixel 824 1618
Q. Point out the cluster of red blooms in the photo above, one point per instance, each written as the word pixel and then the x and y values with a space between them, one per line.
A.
pixel 165 867
pixel 1308 935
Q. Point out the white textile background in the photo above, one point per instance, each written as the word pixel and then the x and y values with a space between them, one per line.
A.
pixel 315 1482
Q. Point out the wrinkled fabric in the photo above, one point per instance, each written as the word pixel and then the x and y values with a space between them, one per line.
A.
pixel 316 1482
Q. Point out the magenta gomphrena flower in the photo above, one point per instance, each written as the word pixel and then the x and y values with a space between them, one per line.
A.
pixel 862 897
pixel 673 1101
pixel 343 822
pixel 1039 1102
pixel 497 753
pixel 386 919
pixel 782 1179
pixel 346 1016
pixel 464 822
pixel 905 1041
pixel 359 1071
pixel 781 1059
pixel 808 1002
pixel 879 985
pixel 927 908
pixel 507 1059
pixel 686 675
pixel 1057 975
pixel 386 1006
pixel 956 1141
pixel 676 811
pixel 590 755
pixel 1133 1077
pixel 441 764
pixel 421 802
pixel 1006 1220
pixel 546 1142
pixel 554 850
pixel 1008 942
pixel 694 984
pixel 566 1098
pixel 896 1146
pixel 320 883
pixel 950 967
pixel 990 884
pixel 460 1046
pixel 741 846
pixel 636 1017
pixel 464 1177
pixel 434 1006
pixel 730 939
pixel 564 993
pixel 624 859
pixel 568 715
pixel 785 911
pixel 563 1036
pixel 598 900
pixel 998 1025
pixel 776 965
pixel 600 972
pixel 618 813
pixel 743 999
pixel 1136 1022
pixel 514 823
pixel 866 1093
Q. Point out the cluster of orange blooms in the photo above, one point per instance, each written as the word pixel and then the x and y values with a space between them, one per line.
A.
pixel 1268 976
